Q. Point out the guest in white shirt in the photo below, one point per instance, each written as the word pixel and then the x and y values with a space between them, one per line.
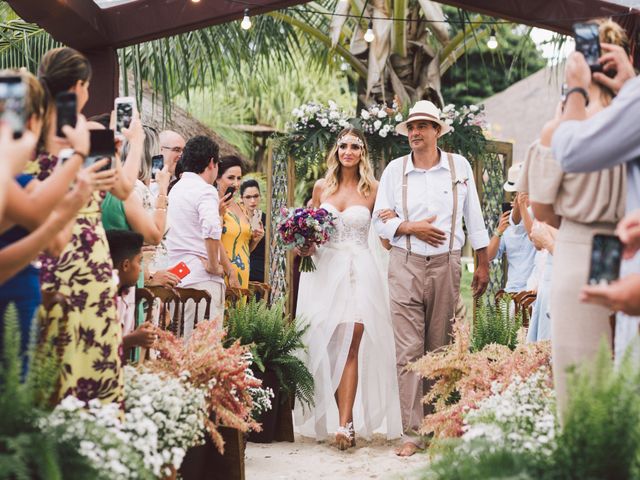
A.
pixel 194 236
pixel 171 147
pixel 430 191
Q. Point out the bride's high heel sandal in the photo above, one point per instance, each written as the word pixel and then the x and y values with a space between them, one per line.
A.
pixel 345 437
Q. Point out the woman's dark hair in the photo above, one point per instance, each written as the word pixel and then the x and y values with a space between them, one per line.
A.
pixel 227 162
pixel 61 68
pixel 198 152
pixel 248 184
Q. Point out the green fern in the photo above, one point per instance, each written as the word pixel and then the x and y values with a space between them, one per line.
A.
pixel 274 340
pixel 495 325
pixel 26 452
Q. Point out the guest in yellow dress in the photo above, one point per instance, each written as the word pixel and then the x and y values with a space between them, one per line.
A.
pixel 238 238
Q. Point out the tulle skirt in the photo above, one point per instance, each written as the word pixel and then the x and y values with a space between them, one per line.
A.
pixel 347 287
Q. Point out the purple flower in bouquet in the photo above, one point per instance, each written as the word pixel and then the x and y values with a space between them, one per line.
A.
pixel 303 227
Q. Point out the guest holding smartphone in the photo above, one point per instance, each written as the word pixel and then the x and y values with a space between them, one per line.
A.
pixel 580 204
pixel 236 227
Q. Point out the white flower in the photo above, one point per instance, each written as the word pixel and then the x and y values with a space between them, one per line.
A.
pixel 399 117
pixel 448 108
pixel 473 108
pixel 324 122
pixel 377 124
pixel 381 113
pixel 448 121
pixel 365 114
pixel 333 115
pixel 382 133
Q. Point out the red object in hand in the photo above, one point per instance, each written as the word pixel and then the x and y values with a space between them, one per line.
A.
pixel 180 270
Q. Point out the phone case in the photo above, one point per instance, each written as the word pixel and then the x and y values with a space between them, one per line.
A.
pixel 180 270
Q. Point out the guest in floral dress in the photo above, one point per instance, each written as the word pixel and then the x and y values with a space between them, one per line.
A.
pixel 91 338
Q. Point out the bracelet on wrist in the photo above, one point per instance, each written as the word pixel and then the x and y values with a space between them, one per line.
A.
pixel 80 154
pixel 581 91
pixel 499 233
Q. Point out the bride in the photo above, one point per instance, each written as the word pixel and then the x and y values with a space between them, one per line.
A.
pixel 345 301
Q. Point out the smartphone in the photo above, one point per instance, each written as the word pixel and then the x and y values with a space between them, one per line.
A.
pixel 587 37
pixel 157 164
pixel 12 107
pixel 102 145
pixel 180 270
pixel 230 190
pixel 124 112
pixel 606 256
pixel 256 219
pixel 506 207
pixel 66 111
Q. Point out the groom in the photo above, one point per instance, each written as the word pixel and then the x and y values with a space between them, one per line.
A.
pixel 430 191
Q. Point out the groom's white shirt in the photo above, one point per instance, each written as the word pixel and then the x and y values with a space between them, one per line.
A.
pixel 428 194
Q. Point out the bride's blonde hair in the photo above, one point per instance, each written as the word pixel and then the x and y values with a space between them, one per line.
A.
pixel 334 167
pixel 610 32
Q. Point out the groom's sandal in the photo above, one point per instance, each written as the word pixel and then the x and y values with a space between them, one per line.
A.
pixel 345 437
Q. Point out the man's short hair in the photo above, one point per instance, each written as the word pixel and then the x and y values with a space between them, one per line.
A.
pixel 124 244
pixel 198 152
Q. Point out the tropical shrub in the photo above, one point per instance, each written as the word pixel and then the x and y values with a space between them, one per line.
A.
pixel 495 324
pixel 26 450
pixel 274 338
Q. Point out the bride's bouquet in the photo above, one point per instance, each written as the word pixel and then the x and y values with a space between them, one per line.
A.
pixel 303 227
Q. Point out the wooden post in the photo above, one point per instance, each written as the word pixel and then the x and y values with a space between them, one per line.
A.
pixel 269 213
pixel 291 198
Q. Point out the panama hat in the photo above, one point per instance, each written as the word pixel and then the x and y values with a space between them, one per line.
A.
pixel 512 177
pixel 423 110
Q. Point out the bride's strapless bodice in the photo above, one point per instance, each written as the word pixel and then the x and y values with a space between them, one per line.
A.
pixel 352 225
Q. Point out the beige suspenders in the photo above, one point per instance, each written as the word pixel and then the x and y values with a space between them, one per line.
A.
pixel 454 191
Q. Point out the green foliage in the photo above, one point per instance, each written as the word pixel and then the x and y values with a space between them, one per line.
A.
pixel 26 452
pixel 601 435
pixel 495 325
pixel 275 338
pixel 482 72
pixel 600 439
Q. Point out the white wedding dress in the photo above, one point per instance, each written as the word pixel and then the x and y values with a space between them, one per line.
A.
pixel 348 286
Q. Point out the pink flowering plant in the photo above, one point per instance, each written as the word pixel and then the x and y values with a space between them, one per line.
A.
pixel 303 227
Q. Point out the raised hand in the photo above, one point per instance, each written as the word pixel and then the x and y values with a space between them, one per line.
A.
pixel 101 180
pixel 163 177
pixel 504 222
pixel 223 206
pixel 16 151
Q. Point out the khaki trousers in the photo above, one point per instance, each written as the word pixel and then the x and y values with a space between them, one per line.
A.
pixel 423 294
pixel 577 329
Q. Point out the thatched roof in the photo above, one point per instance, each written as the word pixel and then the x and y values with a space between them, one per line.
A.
pixel 181 122
pixel 518 113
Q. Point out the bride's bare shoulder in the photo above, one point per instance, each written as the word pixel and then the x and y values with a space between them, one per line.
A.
pixel 318 190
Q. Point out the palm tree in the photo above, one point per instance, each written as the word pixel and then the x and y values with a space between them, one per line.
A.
pixel 405 60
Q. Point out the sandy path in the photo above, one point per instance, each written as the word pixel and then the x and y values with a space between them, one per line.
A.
pixel 307 459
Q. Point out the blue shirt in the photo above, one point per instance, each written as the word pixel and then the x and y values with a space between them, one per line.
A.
pixel 520 256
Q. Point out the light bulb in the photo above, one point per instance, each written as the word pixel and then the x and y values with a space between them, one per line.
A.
pixel 492 43
pixel 369 36
pixel 246 20
pixel 195 1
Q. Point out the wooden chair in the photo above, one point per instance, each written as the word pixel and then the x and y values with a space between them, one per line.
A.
pixel 197 296
pixel 234 294
pixel 261 290
pixel 498 296
pixel 51 300
pixel 526 306
pixel 168 296
pixel 147 296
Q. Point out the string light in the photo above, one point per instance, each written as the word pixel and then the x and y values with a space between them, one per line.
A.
pixel 492 43
pixel 369 36
pixel 195 1
pixel 246 20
